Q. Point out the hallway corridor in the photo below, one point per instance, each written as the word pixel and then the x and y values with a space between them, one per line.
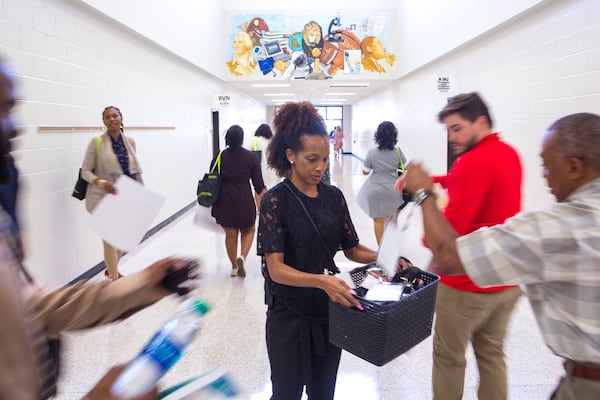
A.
pixel 233 334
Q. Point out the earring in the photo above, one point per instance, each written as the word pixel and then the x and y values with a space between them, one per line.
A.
pixel 291 162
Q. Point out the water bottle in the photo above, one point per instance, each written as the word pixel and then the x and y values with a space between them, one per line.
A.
pixel 161 353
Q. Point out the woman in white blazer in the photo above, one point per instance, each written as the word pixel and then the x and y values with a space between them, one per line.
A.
pixel 115 157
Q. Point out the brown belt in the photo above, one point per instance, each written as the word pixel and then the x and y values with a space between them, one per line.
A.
pixel 584 371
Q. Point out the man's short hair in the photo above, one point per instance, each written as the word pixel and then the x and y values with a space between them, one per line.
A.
pixel 469 106
pixel 578 135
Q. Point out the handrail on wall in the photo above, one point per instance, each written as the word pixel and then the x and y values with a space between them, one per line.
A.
pixel 100 128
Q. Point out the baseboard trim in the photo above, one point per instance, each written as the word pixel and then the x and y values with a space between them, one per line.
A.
pixel 96 269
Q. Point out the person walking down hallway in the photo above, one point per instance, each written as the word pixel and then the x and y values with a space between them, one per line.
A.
pixel 383 162
pixel 235 209
pixel 260 143
pixel 484 188
pixel 338 141
pixel 107 157
pixel 303 223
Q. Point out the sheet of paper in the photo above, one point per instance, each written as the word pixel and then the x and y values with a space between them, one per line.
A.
pixel 123 219
pixel 385 292
pixel 204 220
pixel 391 248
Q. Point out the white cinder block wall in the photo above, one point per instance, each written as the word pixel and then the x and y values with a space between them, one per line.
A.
pixel 532 70
pixel 72 62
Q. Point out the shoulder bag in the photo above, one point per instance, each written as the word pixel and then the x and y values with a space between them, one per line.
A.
pixel 400 168
pixel 209 186
pixel 255 148
pixel 81 185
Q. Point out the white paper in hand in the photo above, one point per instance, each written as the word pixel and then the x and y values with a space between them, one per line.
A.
pixel 123 219
pixel 390 249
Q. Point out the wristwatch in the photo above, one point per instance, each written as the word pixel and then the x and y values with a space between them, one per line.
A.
pixel 420 195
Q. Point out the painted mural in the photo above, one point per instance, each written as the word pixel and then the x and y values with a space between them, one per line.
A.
pixel 283 47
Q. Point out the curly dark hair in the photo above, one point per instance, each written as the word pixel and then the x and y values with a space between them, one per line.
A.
pixel 386 135
pixel 291 121
pixel 264 130
pixel 234 136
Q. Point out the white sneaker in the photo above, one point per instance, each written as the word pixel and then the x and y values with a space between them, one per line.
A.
pixel 234 272
pixel 241 266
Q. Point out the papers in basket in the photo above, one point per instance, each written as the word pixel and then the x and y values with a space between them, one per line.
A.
pixel 214 385
pixel 386 292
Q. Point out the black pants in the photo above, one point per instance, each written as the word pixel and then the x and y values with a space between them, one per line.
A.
pixel 300 354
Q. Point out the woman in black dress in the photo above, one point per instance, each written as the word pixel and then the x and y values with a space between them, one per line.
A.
pixel 235 209
pixel 299 268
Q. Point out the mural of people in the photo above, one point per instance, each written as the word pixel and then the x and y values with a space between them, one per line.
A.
pixel 373 51
pixel 242 63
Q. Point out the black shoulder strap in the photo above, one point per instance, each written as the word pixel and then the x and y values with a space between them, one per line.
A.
pixel 335 269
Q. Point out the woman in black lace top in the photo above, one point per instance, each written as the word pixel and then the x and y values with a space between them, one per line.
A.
pixel 299 270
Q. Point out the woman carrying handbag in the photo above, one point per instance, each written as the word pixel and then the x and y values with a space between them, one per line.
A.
pixel 116 156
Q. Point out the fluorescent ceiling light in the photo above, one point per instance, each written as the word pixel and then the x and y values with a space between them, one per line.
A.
pixel 279 94
pixel 270 85
pixel 281 100
pixel 340 94
pixel 349 84
pixel 334 100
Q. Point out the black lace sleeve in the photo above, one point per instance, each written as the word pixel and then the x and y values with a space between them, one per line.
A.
pixel 271 237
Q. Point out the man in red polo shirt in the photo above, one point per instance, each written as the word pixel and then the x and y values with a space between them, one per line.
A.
pixel 484 189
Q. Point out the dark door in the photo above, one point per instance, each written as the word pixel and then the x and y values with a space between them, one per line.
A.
pixel 215 132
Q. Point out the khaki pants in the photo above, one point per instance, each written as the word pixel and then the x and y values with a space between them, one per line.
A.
pixel 481 318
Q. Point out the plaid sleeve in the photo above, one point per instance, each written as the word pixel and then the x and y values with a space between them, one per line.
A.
pixel 506 254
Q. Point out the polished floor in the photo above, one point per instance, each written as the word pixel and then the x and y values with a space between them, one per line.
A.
pixel 233 333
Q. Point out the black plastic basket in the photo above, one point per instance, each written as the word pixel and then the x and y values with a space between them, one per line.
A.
pixel 383 331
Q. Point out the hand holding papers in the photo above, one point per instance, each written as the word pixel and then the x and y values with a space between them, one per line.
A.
pixel 123 219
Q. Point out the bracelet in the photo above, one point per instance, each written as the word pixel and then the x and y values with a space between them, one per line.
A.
pixel 420 195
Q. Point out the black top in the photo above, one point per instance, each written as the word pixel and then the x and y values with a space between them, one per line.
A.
pixel 235 206
pixel 284 228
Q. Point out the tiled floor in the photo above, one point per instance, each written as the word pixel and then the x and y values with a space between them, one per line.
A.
pixel 233 333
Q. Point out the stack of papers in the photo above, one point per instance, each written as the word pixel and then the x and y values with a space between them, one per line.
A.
pixel 214 385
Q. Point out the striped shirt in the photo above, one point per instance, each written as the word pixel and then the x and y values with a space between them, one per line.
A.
pixel 555 253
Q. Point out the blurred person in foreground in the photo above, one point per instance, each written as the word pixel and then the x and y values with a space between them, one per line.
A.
pixel 300 271
pixel 484 188
pixel 554 251
pixel 31 315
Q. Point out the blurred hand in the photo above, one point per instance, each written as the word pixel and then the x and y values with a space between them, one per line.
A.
pixel 413 179
pixel 339 292
pixel 102 389
pixel 108 187
pixel 157 271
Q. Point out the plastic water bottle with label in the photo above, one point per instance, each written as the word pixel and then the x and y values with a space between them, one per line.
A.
pixel 161 353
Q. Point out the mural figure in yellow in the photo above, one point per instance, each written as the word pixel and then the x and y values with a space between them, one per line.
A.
pixel 242 63
pixel 373 52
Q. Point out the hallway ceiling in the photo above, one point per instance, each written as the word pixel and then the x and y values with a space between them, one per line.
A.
pixel 318 92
